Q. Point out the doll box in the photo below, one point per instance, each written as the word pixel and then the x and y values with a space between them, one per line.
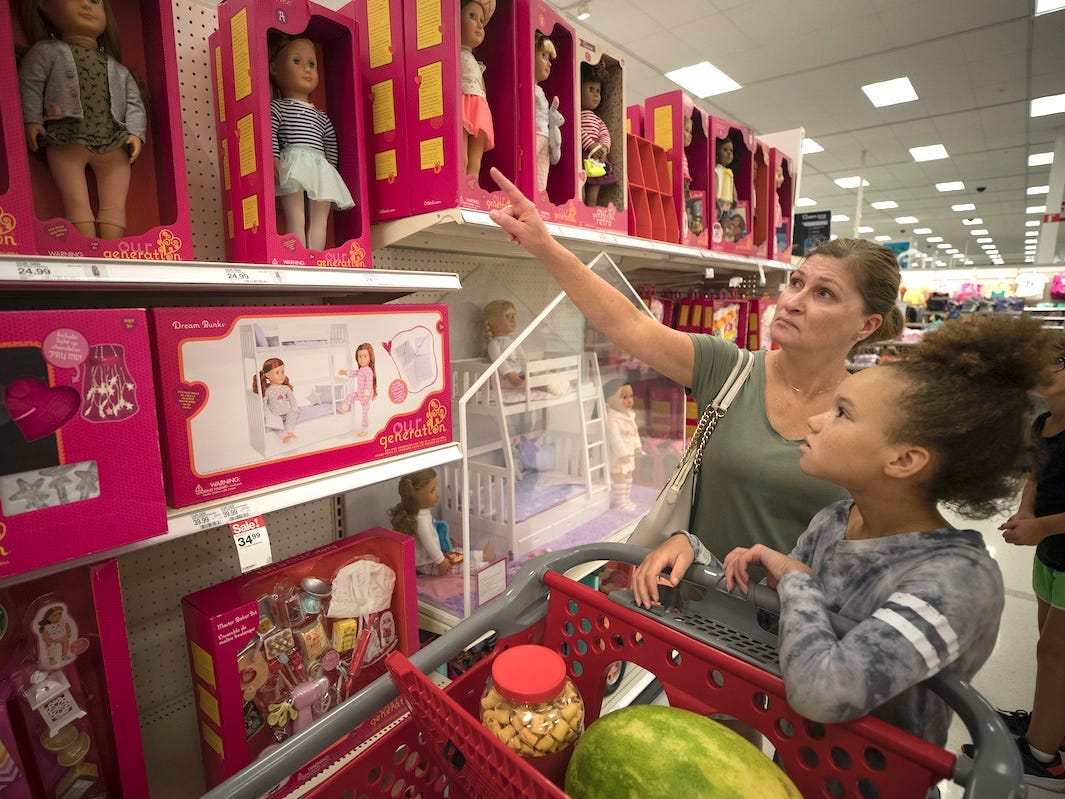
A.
pixel 610 212
pixel 732 230
pixel 245 29
pixel 221 620
pixel 762 188
pixel 781 206
pixel 385 92
pixel 157 208
pixel 225 433
pixel 558 201
pixel 72 625
pixel 436 148
pixel 75 383
pixel 16 197
pixel 665 119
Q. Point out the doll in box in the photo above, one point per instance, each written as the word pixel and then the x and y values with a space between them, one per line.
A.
pixel 685 172
pixel 724 181
pixel 623 441
pixel 595 136
pixel 304 144
pixel 547 117
pixel 278 396
pixel 733 225
pixel 364 384
pixel 83 107
pixel 476 115
pixel 434 551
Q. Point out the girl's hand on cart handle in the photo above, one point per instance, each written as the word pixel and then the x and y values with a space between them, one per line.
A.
pixel 675 554
pixel 775 563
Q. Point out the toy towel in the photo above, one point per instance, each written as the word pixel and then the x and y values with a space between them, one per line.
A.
pixel 361 588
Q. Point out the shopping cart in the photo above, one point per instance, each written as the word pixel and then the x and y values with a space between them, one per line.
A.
pixel 710 654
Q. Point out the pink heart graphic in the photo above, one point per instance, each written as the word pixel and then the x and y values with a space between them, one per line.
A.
pixel 190 398
pixel 39 409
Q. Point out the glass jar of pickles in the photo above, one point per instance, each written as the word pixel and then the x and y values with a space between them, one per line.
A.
pixel 533 707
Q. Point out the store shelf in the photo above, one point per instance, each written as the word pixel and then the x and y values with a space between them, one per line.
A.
pixel 469 232
pixel 196 518
pixel 40 273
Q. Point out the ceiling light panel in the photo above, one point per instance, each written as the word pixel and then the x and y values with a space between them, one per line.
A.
pixel 963 207
pixel 974 221
pixel 805 202
pixel 1035 209
pixel 850 183
pixel 703 79
pixel 953 185
pixel 1040 159
pixel 840 218
pixel 1034 190
pixel 931 152
pixel 890 92
pixel 809 147
pixel 920 231
pixel 883 205
pixel 1045 106
pixel 906 220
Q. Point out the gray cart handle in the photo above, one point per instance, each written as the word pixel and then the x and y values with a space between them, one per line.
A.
pixel 995 774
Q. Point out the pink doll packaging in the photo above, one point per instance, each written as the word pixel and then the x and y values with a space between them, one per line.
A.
pixel 548 111
pixel 79 447
pixel 761 197
pixel 291 137
pixel 781 204
pixel 16 199
pixel 280 646
pixel 634 120
pixel 731 148
pixel 149 220
pixel 384 87
pixel 603 199
pixel 252 397
pixel 676 124
pixel 66 692
pixel 438 65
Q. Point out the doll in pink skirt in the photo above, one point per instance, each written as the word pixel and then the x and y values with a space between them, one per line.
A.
pixel 476 115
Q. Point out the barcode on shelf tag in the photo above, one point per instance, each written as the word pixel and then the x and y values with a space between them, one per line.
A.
pixel 253 543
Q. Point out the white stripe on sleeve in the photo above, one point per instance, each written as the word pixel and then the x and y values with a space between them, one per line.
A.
pixel 932 616
pixel 910 632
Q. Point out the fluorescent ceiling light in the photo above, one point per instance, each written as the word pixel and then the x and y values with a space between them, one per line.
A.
pixel 985 240
pixel 963 207
pixel 943 246
pixel 980 232
pixel 833 237
pixel 883 205
pixel 865 229
pixel 905 220
pixel 582 12
pixel 968 262
pixel 954 185
pixel 1032 190
pixel 1029 260
pixel 1032 223
pixel 883 238
pixel 920 231
pixel 974 221
pixel 805 202
pixel 953 251
pixel 1045 106
pixel 703 79
pixel 931 152
pixel 988 247
pixel 840 218
pixel 934 239
pixel 890 92
pixel 809 147
pixel 1031 233
pixel 941 263
pixel 1035 209
pixel 1046 6
pixel 850 183
pixel 1040 159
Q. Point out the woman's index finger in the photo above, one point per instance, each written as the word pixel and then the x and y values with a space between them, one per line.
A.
pixel 513 192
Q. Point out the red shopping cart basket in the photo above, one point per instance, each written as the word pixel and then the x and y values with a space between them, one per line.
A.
pixel 709 654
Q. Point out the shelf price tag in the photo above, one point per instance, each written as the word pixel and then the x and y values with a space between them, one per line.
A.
pixel 253 543
pixel 237 274
pixel 38 271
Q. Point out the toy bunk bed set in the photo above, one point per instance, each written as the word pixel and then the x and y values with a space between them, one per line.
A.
pixel 315 359
pixel 710 655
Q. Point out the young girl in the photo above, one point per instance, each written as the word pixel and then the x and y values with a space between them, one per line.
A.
pixel 724 181
pixel 595 136
pixel 926 597
pixel 500 321
pixel 623 442
pixel 304 144
pixel 433 551
pixel 545 55
pixel 84 107
pixel 476 115
pixel 364 381
pixel 278 395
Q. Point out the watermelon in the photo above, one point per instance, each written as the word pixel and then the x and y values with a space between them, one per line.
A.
pixel 648 750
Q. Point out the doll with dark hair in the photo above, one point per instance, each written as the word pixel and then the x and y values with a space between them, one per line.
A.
pixel 595 135
pixel 83 107
pixel 724 181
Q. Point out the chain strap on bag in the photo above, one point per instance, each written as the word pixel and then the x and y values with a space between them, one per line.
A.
pixel 673 507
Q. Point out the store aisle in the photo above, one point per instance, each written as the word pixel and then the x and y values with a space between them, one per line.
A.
pixel 1008 678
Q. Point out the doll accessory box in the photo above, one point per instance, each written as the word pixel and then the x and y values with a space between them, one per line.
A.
pixel 275 648
pixel 359 384
pixel 79 446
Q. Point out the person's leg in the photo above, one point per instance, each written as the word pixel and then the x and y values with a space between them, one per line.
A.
pixel 67 164
pixel 295 223
pixel 1047 726
pixel 112 171
pixel 318 224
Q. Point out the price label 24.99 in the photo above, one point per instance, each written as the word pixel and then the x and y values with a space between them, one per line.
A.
pixel 253 543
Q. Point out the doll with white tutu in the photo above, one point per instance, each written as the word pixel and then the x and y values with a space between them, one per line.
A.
pixel 304 144
pixel 623 441
pixel 476 115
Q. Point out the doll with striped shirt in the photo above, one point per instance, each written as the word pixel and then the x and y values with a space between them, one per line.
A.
pixel 595 136
pixel 304 144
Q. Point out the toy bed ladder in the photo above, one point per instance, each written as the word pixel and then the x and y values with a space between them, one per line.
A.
pixel 593 425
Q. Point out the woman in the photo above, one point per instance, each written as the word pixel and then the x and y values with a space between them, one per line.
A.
pixel 751 489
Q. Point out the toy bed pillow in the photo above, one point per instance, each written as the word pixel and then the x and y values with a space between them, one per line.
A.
pixel 272 421
pixel 321 395
pixel 260 336
pixel 535 454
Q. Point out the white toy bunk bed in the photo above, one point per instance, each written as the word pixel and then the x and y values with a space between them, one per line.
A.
pixel 527 489
pixel 312 362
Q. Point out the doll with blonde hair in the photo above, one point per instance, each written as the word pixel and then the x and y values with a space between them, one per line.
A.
pixel 500 322
pixel 279 396
pixel 476 115
pixel 304 144
pixel 546 115
pixel 364 384
pixel 623 441
pixel 83 107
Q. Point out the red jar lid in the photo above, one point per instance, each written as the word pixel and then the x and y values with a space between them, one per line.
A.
pixel 529 674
